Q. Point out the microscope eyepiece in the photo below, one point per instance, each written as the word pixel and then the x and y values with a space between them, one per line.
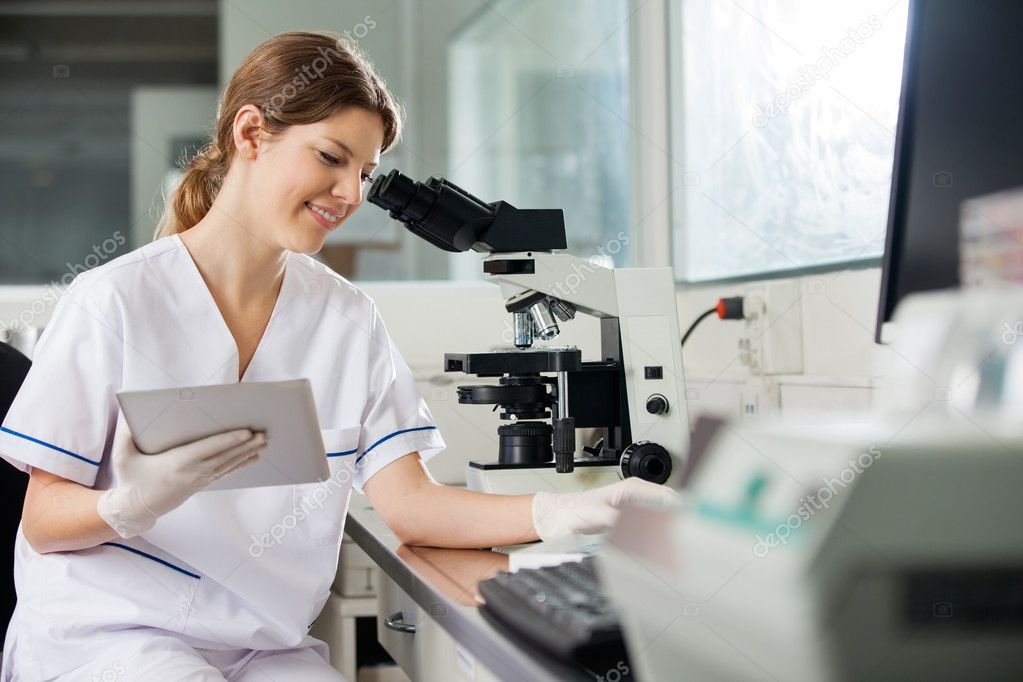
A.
pixel 450 218
pixel 436 210
pixel 393 191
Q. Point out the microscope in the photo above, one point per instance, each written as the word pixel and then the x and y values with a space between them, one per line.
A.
pixel 635 392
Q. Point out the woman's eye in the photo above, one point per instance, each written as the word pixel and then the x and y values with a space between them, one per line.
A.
pixel 329 158
pixel 366 177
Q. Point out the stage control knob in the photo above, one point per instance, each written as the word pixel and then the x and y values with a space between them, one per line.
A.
pixel 646 460
pixel 657 404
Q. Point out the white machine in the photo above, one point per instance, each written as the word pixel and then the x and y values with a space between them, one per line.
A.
pixel 635 392
pixel 892 551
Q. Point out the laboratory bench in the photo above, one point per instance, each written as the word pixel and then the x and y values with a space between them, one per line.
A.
pixel 427 614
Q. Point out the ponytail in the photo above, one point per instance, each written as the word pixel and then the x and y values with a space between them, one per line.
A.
pixel 194 195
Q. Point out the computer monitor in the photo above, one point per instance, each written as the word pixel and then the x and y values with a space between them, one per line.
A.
pixel 959 135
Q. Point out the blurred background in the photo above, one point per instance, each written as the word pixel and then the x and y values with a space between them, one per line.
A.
pixel 537 103
pixel 102 100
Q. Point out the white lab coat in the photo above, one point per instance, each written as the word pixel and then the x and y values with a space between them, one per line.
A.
pixel 228 571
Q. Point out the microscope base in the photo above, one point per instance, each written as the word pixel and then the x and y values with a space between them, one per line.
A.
pixel 490 477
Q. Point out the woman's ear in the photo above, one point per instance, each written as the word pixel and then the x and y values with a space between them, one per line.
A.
pixel 247 131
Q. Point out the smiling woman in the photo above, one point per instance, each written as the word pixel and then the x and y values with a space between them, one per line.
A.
pixel 294 79
pixel 226 293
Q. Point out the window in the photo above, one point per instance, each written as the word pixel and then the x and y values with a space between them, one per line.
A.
pixel 783 129
pixel 72 75
pixel 538 110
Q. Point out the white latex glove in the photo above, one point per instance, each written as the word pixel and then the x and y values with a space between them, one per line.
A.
pixel 149 486
pixel 556 515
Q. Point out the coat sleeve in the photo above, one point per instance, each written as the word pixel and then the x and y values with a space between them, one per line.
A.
pixel 396 420
pixel 63 416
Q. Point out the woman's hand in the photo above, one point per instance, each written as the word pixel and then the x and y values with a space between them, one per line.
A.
pixel 149 486
pixel 556 515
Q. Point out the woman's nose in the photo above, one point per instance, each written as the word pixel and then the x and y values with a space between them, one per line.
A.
pixel 349 190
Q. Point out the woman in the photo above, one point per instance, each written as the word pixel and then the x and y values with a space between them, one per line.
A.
pixel 123 572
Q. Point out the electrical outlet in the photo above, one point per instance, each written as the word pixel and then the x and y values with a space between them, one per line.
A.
pixel 774 327
pixel 756 399
pixel 749 404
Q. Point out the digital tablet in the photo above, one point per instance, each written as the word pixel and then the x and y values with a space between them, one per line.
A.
pixel 166 418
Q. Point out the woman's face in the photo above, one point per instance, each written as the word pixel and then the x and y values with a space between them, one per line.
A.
pixel 311 178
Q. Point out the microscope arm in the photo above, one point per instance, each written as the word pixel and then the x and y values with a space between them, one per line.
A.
pixel 588 287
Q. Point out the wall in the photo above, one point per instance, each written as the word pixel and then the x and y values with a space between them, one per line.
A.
pixel 160 115
pixel 840 358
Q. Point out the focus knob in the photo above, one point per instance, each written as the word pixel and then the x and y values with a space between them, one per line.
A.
pixel 646 460
pixel 657 404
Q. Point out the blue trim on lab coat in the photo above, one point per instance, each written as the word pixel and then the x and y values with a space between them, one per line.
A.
pixel 48 445
pixel 156 559
pixel 388 437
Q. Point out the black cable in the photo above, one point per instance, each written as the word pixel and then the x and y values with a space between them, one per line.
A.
pixel 730 308
pixel 697 321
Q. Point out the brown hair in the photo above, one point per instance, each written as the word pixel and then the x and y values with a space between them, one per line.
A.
pixel 294 78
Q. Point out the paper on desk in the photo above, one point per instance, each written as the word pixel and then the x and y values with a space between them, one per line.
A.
pixel 554 552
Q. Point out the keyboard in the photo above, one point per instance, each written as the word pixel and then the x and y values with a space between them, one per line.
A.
pixel 561 610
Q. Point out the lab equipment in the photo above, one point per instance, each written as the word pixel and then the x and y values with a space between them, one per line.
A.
pixel 635 392
pixel 960 350
pixel 284 411
pixel 561 610
pixel 958 136
pixel 149 487
pixel 887 551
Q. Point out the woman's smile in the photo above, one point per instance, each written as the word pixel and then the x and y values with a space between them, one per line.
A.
pixel 323 217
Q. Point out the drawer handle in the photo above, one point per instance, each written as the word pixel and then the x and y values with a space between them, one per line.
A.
pixel 395 622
